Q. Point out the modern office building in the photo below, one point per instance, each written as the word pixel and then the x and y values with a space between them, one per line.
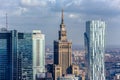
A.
pixel 95 49
pixel 38 54
pixel 62 52
pixel 25 56
pixel 19 64
pixel 18 52
pixel 8 54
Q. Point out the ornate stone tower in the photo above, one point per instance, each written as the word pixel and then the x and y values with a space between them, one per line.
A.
pixel 62 51
pixel 62 32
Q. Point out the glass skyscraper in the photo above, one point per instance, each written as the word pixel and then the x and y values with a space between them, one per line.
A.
pixel 38 54
pixel 95 49
pixel 15 55
pixel 22 55
pixel 25 56
pixel 8 55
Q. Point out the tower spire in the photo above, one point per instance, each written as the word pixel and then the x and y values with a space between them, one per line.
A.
pixel 62 32
pixel 62 17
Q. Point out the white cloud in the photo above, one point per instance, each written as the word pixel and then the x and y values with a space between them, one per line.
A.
pixel 41 3
pixel 72 2
pixel 115 3
pixel 19 11
pixel 73 16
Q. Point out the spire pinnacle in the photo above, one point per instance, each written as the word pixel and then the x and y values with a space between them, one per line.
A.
pixel 62 17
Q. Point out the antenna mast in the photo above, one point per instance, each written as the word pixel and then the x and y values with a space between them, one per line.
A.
pixel 6 21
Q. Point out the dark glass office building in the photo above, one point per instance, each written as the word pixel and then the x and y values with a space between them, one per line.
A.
pixel 25 52
pixel 15 55
pixel 8 55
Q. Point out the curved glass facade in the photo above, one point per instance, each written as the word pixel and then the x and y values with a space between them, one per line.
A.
pixel 94 41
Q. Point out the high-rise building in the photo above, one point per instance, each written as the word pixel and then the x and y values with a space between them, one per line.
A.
pixel 95 49
pixel 8 54
pixel 25 56
pixel 62 52
pixel 38 54
pixel 18 52
pixel 19 64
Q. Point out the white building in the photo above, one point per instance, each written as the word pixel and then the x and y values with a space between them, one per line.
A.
pixel 95 49
pixel 38 54
pixel 69 77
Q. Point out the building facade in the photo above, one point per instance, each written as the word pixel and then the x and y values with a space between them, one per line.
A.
pixel 95 49
pixel 38 54
pixel 117 76
pixel 62 51
pixel 25 56
pixel 75 70
pixel 57 71
pixel 69 77
pixel 8 55
pixel 22 55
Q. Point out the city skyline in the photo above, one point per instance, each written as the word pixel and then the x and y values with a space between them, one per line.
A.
pixel 45 16
pixel 40 39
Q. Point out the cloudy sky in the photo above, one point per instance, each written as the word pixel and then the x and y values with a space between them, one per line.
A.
pixel 27 15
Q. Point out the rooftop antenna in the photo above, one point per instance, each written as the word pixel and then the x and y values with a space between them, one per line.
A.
pixel 6 21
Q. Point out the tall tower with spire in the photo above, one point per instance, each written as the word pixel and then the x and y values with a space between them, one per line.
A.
pixel 62 52
pixel 62 32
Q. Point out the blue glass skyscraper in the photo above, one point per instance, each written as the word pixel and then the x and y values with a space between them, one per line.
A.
pixel 18 52
pixel 15 55
pixel 8 55
pixel 95 49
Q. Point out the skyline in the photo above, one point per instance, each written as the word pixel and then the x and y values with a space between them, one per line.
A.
pixel 45 15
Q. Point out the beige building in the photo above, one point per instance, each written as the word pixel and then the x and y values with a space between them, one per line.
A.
pixel 57 71
pixel 62 51
pixel 75 70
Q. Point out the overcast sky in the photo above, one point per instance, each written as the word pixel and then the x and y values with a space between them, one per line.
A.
pixel 27 15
